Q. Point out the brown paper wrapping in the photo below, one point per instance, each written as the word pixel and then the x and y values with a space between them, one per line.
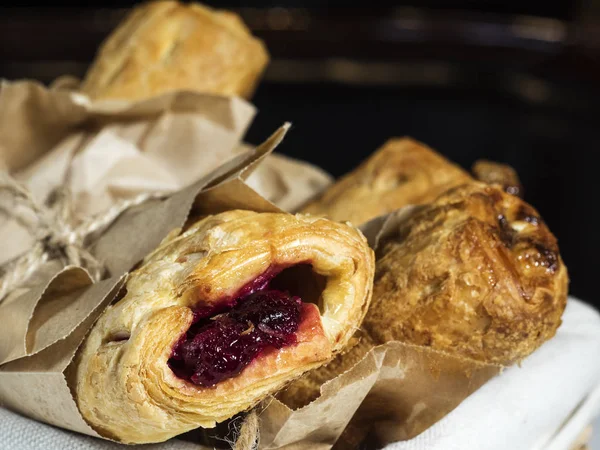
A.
pixel 114 150
pixel 287 182
pixel 33 377
pixel 398 390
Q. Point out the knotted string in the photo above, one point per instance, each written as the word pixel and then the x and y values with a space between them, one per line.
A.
pixel 248 437
pixel 57 232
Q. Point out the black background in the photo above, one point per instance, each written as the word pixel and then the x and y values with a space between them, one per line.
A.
pixel 528 100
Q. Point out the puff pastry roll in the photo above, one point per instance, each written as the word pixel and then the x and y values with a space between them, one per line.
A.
pixel 475 273
pixel 400 173
pixel 219 317
pixel 165 45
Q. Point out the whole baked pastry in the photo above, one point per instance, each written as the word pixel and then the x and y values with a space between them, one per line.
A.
pixel 400 173
pixel 218 318
pixel 166 45
pixel 476 273
pixel 479 274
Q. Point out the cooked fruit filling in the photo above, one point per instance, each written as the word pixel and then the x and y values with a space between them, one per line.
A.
pixel 225 338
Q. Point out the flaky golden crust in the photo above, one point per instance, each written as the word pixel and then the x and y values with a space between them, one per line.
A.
pixel 476 273
pixel 164 46
pixel 400 173
pixel 124 386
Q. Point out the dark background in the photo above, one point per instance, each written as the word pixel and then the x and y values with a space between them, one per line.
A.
pixel 517 82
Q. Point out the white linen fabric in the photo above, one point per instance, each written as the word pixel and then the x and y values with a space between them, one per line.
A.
pixel 21 433
pixel 543 404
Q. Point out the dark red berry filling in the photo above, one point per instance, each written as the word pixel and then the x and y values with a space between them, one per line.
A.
pixel 227 336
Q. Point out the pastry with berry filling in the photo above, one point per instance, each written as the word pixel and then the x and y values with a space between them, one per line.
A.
pixel 219 317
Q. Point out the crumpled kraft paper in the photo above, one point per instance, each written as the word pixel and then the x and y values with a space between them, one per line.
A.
pixel 111 150
pixel 115 150
pixel 50 320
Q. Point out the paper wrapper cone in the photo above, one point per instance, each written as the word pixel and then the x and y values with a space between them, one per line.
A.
pixel 287 182
pixel 50 317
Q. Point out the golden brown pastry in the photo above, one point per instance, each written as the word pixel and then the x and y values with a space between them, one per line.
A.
pixel 166 45
pixel 400 173
pixel 505 176
pixel 218 318
pixel 475 273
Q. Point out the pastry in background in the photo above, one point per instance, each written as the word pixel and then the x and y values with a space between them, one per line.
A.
pixel 505 176
pixel 218 318
pixel 166 45
pixel 400 173
pixel 475 273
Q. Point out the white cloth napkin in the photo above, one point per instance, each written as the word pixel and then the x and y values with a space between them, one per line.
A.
pixel 20 433
pixel 544 404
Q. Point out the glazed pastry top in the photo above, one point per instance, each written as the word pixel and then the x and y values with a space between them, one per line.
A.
pixel 164 46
